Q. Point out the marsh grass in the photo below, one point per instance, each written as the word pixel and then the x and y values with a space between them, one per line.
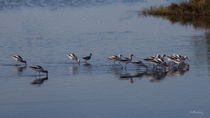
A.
pixel 194 12
pixel 191 8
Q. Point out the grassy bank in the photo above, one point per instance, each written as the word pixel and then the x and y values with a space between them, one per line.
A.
pixel 191 8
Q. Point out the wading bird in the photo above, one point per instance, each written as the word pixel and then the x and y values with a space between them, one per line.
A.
pixel 18 58
pixel 72 56
pixel 39 69
pixel 115 58
pixel 86 58
pixel 126 60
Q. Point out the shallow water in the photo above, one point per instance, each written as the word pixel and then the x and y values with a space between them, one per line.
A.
pixel 43 35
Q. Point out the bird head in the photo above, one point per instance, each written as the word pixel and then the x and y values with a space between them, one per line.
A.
pixel 186 57
pixel 158 55
pixel 119 55
pixel 163 55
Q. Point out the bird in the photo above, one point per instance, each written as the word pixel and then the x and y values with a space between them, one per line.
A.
pixel 86 58
pixel 39 69
pixel 126 60
pixel 115 58
pixel 157 62
pixel 178 60
pixel 173 59
pixel 139 63
pixel 72 56
pixel 178 56
pixel 158 57
pixel 18 58
pixel 149 58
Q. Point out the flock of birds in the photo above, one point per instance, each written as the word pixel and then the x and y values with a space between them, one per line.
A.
pixel 40 69
pixel 158 61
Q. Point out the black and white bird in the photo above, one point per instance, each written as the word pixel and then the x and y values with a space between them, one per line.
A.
pixel 158 57
pixel 72 56
pixel 179 60
pixel 115 58
pixel 180 57
pixel 157 62
pixel 126 60
pixel 39 69
pixel 18 58
pixel 139 63
pixel 86 58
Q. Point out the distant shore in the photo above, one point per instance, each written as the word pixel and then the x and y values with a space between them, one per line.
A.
pixel 190 8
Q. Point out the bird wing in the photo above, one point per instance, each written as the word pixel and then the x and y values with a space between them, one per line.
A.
pixel 36 67
pixel 72 56
pixel 112 57
pixel 15 57
pixel 86 57
pixel 19 57
pixel 124 59
pixel 137 62
pixel 148 59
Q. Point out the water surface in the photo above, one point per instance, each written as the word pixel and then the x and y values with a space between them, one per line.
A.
pixel 43 35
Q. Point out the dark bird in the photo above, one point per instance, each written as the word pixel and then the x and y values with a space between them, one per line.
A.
pixel 86 58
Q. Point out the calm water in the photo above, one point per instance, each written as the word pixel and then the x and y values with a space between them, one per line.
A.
pixel 44 33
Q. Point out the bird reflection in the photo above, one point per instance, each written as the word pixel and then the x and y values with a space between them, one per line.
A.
pixel 156 75
pixel 20 68
pixel 87 67
pixel 177 72
pixel 39 81
pixel 115 70
pixel 87 64
pixel 127 76
pixel 74 69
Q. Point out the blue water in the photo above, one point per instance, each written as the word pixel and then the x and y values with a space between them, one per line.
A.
pixel 43 34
